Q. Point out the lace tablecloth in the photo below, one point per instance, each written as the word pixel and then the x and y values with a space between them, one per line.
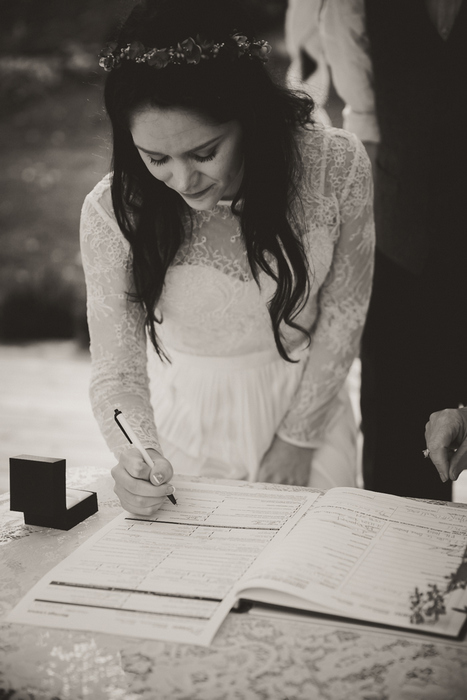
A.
pixel 255 656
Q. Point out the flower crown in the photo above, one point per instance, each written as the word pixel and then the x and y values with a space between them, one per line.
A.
pixel 188 51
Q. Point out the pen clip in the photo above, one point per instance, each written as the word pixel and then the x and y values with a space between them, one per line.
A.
pixel 116 414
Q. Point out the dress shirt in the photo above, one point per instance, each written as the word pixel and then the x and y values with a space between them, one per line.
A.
pixel 346 47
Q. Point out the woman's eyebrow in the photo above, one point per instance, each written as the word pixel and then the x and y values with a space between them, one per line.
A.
pixel 192 150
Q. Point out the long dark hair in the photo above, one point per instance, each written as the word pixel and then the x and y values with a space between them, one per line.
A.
pixel 152 216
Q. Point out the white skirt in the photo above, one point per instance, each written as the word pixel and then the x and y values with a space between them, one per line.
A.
pixel 217 416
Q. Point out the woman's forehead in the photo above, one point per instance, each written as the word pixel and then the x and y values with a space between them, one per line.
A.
pixel 167 131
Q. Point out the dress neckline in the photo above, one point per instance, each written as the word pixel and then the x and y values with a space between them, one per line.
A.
pixel 221 204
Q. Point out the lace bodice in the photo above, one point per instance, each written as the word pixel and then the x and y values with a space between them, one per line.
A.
pixel 212 306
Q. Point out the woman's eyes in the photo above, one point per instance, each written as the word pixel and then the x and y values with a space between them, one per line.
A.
pixel 161 161
pixel 205 159
pixel 198 159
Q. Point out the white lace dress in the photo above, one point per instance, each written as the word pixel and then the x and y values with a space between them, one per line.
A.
pixel 227 391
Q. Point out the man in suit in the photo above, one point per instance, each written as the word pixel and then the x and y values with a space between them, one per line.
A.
pixel 409 59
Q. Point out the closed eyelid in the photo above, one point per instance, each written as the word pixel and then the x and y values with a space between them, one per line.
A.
pixel 213 146
pixel 211 154
pixel 195 152
pixel 157 161
pixel 196 156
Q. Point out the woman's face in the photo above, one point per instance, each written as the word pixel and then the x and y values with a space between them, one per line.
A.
pixel 199 159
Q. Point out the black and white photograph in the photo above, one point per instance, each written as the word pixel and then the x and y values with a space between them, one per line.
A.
pixel 233 350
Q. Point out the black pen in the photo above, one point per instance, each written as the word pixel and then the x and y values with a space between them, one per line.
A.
pixel 124 426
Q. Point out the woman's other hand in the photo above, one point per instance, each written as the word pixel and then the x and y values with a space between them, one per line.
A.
pixel 136 483
pixel 284 463
pixel 446 439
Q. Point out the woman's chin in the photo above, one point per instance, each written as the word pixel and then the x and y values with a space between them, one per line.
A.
pixel 209 201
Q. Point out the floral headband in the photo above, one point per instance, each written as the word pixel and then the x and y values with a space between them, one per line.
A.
pixel 188 51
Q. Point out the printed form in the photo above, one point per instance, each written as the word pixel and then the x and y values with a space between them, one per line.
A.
pixel 164 578
pixel 363 554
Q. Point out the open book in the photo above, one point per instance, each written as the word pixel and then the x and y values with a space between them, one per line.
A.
pixel 372 557
pixel 175 576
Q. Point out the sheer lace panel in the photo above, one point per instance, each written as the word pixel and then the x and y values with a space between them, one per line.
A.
pixel 211 304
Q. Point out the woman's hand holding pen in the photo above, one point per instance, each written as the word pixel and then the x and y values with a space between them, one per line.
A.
pixel 135 481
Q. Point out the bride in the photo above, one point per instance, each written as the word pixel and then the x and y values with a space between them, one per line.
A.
pixel 232 244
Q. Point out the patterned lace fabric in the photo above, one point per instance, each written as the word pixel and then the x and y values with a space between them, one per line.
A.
pixel 211 305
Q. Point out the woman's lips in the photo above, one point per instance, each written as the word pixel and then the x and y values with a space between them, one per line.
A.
pixel 196 195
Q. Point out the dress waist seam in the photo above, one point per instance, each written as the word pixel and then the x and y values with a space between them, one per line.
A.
pixel 231 362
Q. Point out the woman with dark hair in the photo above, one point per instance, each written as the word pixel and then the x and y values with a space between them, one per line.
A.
pixel 237 236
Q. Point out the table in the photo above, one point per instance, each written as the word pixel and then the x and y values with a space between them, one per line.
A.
pixel 256 655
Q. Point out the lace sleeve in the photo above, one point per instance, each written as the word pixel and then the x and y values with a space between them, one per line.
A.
pixel 116 325
pixel 343 299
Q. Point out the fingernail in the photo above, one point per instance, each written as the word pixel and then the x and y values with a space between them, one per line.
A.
pixel 157 478
pixel 443 478
pixel 169 490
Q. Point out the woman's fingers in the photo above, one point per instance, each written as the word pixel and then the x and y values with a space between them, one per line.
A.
pixel 133 463
pixel 268 476
pixel 140 506
pixel 162 471
pixel 139 486
pixel 284 463
pixel 142 489
pixel 268 472
pixel 140 497
pixel 295 474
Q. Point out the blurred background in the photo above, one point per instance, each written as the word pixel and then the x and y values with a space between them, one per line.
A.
pixel 55 145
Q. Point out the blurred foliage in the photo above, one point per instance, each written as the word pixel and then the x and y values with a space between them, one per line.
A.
pixel 39 306
pixel 55 149
pixel 47 26
pixel 55 141
pixel 23 78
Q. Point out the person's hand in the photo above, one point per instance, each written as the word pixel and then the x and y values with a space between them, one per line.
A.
pixel 446 439
pixel 135 482
pixel 371 148
pixel 286 464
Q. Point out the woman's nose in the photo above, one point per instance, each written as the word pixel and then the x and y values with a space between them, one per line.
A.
pixel 183 177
